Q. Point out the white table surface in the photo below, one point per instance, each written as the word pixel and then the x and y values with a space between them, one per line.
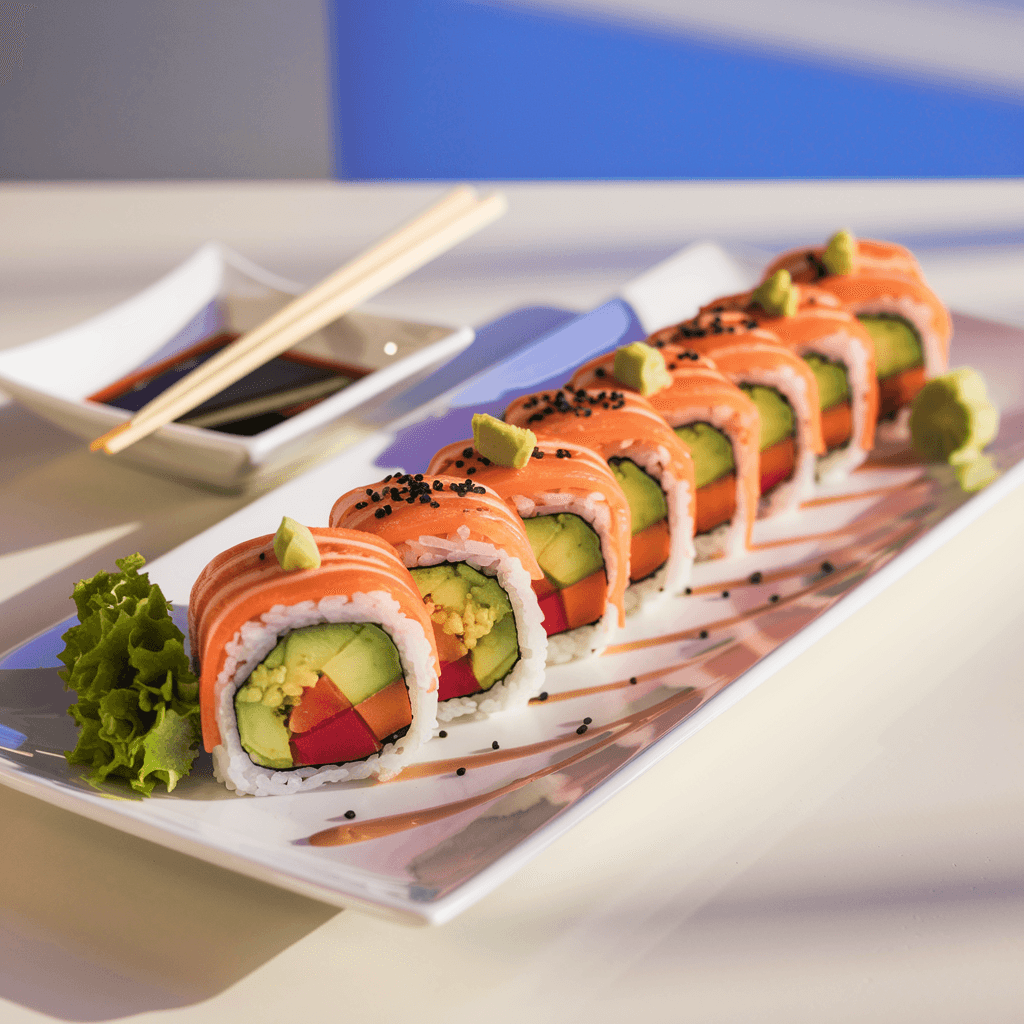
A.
pixel 846 844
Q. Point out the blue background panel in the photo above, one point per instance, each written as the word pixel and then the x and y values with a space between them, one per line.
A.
pixel 443 89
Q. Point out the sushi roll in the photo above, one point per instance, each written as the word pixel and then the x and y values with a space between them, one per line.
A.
pixel 576 517
pixel 472 563
pixel 715 419
pixel 832 341
pixel 882 284
pixel 781 385
pixel 316 658
pixel 652 465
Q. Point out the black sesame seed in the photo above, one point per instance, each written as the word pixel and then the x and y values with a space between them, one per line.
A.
pixel 543 695
pixel 774 598
pixel 460 771
pixel 827 567
pixel 443 734
pixel 350 815
pixel 756 577
pixel 587 721
pixel 725 593
pixel 703 634
pixel 581 730
pixel 688 591
pixel 632 680
pixel 494 745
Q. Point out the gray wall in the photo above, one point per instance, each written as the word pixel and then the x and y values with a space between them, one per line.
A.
pixel 163 89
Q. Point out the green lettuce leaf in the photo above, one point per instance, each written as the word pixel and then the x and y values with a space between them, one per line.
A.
pixel 138 699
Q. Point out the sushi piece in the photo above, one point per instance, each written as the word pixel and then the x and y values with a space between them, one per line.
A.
pixel 882 284
pixel 717 421
pixel 816 326
pixel 317 660
pixel 472 563
pixel 652 465
pixel 576 517
pixel 781 385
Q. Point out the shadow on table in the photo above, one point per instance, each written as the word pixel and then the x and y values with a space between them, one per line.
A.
pixel 97 924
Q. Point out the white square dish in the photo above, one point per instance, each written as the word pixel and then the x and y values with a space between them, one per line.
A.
pixel 213 291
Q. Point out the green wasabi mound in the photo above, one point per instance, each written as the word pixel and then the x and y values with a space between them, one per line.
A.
pixel 777 295
pixel 951 420
pixel 501 442
pixel 840 255
pixel 295 546
pixel 642 368
pixel 138 700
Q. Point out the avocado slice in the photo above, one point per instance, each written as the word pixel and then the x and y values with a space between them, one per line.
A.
pixel 897 343
pixel 777 421
pixel 833 384
pixel 263 734
pixel 644 494
pixel 366 664
pixel 565 546
pixel 485 610
pixel 495 653
pixel 711 451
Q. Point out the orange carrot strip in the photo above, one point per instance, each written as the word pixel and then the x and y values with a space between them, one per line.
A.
pixel 777 463
pixel 716 503
pixel 837 425
pixel 449 647
pixel 584 601
pixel 388 710
pixel 899 390
pixel 648 550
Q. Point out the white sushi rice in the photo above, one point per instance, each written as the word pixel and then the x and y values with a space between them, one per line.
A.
pixel 527 676
pixel 256 639
pixel 673 577
pixel 591 639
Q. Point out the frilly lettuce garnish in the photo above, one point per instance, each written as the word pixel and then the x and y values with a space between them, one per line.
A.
pixel 138 699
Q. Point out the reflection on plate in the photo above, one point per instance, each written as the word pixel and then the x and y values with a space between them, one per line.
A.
pixel 430 843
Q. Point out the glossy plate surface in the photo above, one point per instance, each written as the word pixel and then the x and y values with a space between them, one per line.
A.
pixel 431 843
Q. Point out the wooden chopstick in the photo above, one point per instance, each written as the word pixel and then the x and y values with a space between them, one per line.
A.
pixel 456 217
pixel 456 201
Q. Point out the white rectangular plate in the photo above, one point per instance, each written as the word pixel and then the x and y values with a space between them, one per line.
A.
pixel 429 844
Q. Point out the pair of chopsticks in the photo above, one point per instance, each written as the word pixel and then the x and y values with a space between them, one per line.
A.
pixel 457 216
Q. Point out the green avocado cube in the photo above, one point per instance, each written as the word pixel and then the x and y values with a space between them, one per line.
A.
pixel 833 384
pixel 777 421
pixel 565 546
pixel 897 344
pixel 366 664
pixel 647 503
pixel 711 451
pixel 263 734
pixel 495 653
